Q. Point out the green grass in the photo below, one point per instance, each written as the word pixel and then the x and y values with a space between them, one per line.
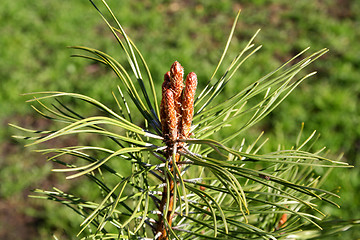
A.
pixel 34 57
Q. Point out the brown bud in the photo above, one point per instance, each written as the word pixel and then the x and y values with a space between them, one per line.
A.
pixel 188 104
pixel 282 221
pixel 177 85
pixel 171 120
pixel 177 106
pixel 163 116
pixel 177 78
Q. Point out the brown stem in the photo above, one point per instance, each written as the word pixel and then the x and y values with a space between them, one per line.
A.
pixel 161 227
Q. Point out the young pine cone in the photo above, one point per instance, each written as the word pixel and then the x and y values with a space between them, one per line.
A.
pixel 171 119
pixel 188 104
pixel 177 79
pixel 177 85
pixel 177 106
pixel 163 115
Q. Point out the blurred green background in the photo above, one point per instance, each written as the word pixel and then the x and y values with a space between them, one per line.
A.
pixel 33 57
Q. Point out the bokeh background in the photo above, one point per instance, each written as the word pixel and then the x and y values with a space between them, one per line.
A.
pixel 34 36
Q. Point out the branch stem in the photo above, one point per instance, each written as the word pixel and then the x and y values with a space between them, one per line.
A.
pixel 161 227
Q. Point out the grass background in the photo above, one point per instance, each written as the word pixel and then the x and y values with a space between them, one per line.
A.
pixel 33 40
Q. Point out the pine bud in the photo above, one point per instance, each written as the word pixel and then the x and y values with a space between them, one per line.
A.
pixel 171 120
pixel 177 78
pixel 163 115
pixel 177 85
pixel 177 106
pixel 188 104
pixel 282 221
